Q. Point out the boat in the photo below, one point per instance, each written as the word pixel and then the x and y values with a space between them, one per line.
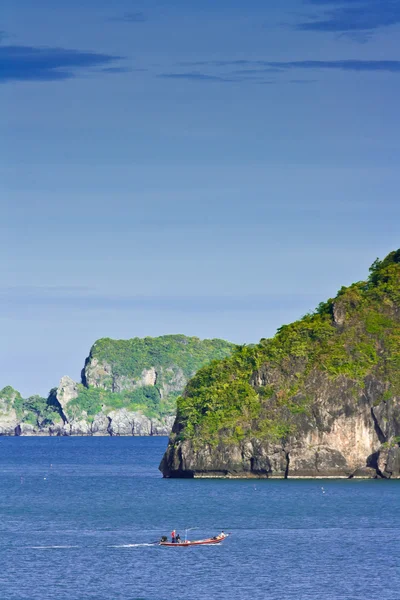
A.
pixel 206 542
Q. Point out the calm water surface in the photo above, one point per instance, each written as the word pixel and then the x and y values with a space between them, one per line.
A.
pixel 76 515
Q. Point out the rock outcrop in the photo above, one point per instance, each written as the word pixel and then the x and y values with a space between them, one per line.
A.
pixel 66 391
pixel 129 387
pixel 70 421
pixel 321 399
pixel 341 435
pixel 166 362
pixel 8 415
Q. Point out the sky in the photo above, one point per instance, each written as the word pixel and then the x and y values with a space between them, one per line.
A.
pixel 209 168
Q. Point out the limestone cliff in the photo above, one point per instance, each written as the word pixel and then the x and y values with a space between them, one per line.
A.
pixel 9 420
pixel 165 363
pixel 57 416
pixel 129 387
pixel 321 399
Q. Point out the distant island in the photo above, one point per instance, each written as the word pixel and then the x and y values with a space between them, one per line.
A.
pixel 128 387
pixel 320 399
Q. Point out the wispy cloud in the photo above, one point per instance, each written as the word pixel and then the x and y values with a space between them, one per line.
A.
pixel 130 17
pixel 28 63
pixel 302 81
pixel 118 70
pixel 392 66
pixel 193 76
pixel 260 71
pixel 352 16
pixel 223 63
pixel 256 71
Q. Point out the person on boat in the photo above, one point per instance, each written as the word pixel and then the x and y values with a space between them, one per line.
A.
pixel 222 535
pixel 173 536
pixel 177 538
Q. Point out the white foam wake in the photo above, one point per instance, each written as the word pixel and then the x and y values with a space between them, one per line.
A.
pixel 131 545
pixel 49 547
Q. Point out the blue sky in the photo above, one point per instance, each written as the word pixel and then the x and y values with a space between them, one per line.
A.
pixel 208 168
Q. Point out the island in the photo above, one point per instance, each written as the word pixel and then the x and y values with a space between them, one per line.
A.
pixel 320 399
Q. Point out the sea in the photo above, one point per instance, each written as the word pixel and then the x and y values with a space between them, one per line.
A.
pixel 78 518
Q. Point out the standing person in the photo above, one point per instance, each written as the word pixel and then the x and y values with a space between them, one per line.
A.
pixel 173 536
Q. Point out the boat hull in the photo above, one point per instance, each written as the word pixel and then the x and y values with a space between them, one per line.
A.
pixel 206 542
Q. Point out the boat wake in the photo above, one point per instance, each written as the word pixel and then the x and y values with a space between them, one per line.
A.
pixel 50 547
pixel 131 546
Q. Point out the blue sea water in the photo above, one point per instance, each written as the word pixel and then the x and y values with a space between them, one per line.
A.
pixel 76 515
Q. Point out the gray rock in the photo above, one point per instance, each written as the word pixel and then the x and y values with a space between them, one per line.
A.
pixel 339 313
pixel 66 391
pixel 121 422
pixel 162 427
pixel 26 429
pixel 8 416
pixel 124 422
pixel 100 424
pixel 80 427
pixel 389 461
pixel 98 374
pixel 141 424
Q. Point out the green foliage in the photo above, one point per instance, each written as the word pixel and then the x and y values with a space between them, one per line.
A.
pixel 377 323
pixel 36 411
pixel 93 400
pixel 392 443
pixel 131 357
pixel 171 355
pixel 90 400
pixel 8 393
pixel 226 401
pixel 8 396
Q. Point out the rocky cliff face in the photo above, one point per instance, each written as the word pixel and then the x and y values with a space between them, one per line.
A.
pixel 66 421
pixel 8 416
pixel 128 387
pixel 322 399
pixel 166 363
pixel 101 374
pixel 340 436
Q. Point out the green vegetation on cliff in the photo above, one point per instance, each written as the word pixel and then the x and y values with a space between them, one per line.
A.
pixel 254 392
pixel 8 395
pixel 139 375
pixel 119 368
pixel 34 410
pixel 130 357
pixel 145 399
